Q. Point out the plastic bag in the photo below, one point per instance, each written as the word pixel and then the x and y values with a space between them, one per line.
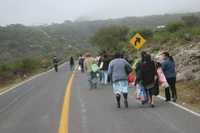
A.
pixel 79 68
pixel 131 78
pixel 141 93
pixel 162 78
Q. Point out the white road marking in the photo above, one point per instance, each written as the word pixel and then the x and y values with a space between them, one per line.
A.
pixel 175 104
pixel 182 107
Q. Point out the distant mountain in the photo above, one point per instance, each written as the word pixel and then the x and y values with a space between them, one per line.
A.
pixel 68 37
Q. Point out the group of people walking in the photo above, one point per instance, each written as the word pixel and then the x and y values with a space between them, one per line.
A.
pixel 97 69
pixel 149 75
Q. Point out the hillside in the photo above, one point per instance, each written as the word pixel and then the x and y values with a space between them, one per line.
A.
pixel 73 38
pixel 19 41
pixel 26 50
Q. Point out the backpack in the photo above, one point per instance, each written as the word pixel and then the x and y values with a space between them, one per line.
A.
pixel 148 72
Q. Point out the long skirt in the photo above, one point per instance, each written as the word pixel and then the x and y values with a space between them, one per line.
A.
pixel 120 86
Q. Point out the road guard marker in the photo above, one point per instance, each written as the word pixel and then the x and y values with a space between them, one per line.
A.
pixel 64 120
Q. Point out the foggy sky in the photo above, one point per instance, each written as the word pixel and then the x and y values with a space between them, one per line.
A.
pixel 34 12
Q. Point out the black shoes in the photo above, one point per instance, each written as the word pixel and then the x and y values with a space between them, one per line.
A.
pixel 167 100
pixel 126 104
pixel 174 100
pixel 118 105
pixel 152 105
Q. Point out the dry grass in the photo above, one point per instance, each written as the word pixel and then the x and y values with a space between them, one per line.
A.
pixel 188 94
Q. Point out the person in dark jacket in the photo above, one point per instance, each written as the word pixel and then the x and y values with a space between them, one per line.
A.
pixel 81 63
pixel 71 62
pixel 149 77
pixel 104 69
pixel 55 63
pixel 168 67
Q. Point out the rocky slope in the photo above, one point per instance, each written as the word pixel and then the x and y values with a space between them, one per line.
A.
pixel 188 61
pixel 186 56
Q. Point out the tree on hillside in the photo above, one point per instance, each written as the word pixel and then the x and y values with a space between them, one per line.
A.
pixel 191 20
pixel 174 26
pixel 110 38
pixel 146 33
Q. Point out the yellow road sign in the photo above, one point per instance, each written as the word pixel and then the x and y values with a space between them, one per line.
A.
pixel 137 41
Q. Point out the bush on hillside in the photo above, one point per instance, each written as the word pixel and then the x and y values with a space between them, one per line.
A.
pixel 191 20
pixel 110 38
pixel 26 65
pixel 5 72
pixel 146 33
pixel 20 67
pixel 174 26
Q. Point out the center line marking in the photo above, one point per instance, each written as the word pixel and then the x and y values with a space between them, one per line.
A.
pixel 64 120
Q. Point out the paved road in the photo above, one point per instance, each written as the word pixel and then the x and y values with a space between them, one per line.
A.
pixel 35 107
pixel 95 112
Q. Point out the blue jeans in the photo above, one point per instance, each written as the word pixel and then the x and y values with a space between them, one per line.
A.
pixel 105 77
pixel 92 78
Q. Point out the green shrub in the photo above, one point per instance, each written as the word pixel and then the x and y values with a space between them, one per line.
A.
pixel 24 66
pixel 5 72
pixel 174 26
pixel 46 62
pixel 191 20
pixel 195 30
pixel 161 37
pixel 110 37
pixel 146 33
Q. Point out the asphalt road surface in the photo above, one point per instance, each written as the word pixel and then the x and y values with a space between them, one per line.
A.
pixel 36 106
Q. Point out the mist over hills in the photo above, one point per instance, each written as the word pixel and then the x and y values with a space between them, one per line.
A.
pixel 66 38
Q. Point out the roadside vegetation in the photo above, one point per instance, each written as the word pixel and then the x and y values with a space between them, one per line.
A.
pixel 14 71
pixel 116 37
pixel 20 69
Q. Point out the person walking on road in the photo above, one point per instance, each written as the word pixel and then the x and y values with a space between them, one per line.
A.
pixel 55 63
pixel 81 63
pixel 118 71
pixel 168 67
pixel 100 65
pixel 89 60
pixel 149 77
pixel 104 68
pixel 91 68
pixel 71 62
pixel 140 90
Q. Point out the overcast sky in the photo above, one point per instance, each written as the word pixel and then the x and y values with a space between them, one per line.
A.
pixel 31 12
